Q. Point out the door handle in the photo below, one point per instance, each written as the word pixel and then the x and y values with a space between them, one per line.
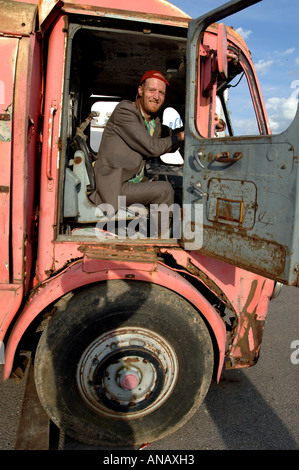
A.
pixel 53 109
pixel 225 158
pixel 197 156
pixel 198 189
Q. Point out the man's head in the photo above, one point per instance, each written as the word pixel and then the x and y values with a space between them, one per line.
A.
pixel 151 92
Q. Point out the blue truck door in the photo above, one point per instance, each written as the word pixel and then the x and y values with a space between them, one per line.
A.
pixel 245 186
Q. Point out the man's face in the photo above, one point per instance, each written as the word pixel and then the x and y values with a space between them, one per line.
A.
pixel 152 93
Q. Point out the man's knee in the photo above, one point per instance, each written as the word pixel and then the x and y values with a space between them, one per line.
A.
pixel 166 193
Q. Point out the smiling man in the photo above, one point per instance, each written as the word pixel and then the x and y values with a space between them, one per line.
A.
pixel 132 134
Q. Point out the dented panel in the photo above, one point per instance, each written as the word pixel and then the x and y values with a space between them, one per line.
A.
pixel 8 50
pixel 17 18
pixel 246 339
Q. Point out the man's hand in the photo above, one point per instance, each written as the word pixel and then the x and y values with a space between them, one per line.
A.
pixel 181 136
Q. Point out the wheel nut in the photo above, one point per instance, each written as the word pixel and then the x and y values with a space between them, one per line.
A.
pixel 129 381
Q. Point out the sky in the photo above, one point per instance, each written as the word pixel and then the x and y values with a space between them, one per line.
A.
pixel 270 29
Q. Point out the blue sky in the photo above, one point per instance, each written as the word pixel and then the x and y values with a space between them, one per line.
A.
pixel 270 29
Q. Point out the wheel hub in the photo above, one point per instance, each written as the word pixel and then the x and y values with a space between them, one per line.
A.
pixel 129 381
pixel 128 372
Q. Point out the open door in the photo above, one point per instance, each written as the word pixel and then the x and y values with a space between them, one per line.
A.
pixel 247 185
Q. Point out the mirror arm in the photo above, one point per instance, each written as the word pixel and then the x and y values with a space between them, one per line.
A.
pixel 229 8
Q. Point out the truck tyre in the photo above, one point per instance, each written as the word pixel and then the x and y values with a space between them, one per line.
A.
pixel 123 363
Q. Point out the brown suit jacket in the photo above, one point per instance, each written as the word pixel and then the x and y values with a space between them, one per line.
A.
pixel 125 144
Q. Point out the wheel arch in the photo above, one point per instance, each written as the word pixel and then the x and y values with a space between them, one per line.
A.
pixel 77 276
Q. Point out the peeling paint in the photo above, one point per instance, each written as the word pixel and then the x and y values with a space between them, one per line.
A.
pixel 5 126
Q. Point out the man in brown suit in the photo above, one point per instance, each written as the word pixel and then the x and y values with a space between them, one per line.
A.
pixel 132 134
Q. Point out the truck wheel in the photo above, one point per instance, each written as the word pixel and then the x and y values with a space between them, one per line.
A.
pixel 123 363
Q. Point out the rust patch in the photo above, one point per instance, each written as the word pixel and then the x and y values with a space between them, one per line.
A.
pixel 131 360
pixel 209 283
pixel 17 18
pixel 249 335
pixel 259 255
pixel 193 270
pixel 167 19
pixel 146 254
pixel 5 117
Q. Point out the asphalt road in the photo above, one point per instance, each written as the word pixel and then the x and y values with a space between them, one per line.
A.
pixel 250 409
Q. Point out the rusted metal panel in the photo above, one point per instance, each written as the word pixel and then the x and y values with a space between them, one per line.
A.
pixel 9 50
pixel 262 256
pixel 146 254
pixel 20 101
pixel 158 8
pixel 247 335
pixel 246 295
pixel 158 11
pixel 50 153
pixel 141 16
pixel 249 203
pixel 45 8
pixel 26 148
pixel 17 18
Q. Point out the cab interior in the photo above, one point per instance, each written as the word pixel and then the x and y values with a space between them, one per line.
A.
pixel 105 60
